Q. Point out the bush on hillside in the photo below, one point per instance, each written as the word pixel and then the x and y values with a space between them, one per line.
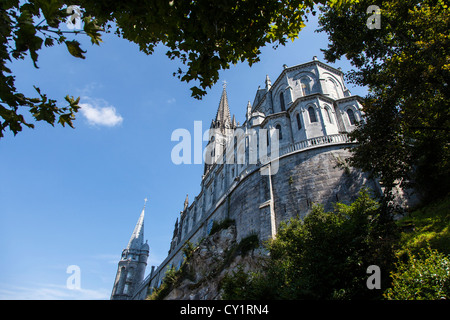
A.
pixel 423 276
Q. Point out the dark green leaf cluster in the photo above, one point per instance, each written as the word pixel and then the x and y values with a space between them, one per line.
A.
pixel 424 276
pixel 325 256
pixel 224 224
pixel 206 36
pixel 174 276
pixel 405 65
pixel 25 27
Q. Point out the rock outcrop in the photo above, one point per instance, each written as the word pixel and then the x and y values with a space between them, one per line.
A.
pixel 215 256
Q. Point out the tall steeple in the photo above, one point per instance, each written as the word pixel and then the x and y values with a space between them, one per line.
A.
pixel 223 117
pixel 137 238
pixel 131 268
pixel 221 130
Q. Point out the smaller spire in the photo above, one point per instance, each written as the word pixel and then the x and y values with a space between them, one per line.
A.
pixel 233 122
pixel 268 82
pixel 186 202
pixel 137 238
pixel 249 110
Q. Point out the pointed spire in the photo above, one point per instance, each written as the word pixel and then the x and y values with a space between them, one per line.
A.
pixel 186 202
pixel 249 110
pixel 137 238
pixel 223 112
pixel 268 82
pixel 233 123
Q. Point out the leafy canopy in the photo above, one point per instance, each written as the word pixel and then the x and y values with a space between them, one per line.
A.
pixel 406 66
pixel 205 36
pixel 25 27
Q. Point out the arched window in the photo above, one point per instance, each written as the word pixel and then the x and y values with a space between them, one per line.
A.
pixel 351 117
pixel 121 284
pixel 334 89
pixel 312 115
pixel 299 124
pixel 280 134
pixel 328 112
pixel 305 86
pixel 283 108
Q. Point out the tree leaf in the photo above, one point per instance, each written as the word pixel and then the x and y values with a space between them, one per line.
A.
pixel 74 49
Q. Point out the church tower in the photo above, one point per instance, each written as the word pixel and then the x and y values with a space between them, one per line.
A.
pixel 221 130
pixel 131 269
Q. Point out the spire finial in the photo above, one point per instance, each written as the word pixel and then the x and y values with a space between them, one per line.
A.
pixel 186 202
pixel 224 85
pixel 268 82
pixel 145 202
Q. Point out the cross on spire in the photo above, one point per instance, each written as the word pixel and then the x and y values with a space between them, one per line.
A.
pixel 145 202
pixel 224 84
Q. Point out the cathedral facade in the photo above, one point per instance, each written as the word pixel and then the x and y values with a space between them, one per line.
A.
pixel 289 154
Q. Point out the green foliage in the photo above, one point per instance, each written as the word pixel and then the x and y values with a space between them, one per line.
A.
pixel 205 36
pixel 405 65
pixel 325 256
pixel 248 243
pixel 171 278
pixel 174 276
pixel 224 224
pixel 188 251
pixel 425 276
pixel 21 34
pixel 250 286
pixel 427 226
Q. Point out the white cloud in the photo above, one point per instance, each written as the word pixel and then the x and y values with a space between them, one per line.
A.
pixel 171 101
pixel 99 112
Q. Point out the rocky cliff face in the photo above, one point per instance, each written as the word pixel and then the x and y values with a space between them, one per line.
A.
pixel 214 257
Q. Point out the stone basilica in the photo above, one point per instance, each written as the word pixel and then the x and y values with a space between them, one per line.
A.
pixel 289 154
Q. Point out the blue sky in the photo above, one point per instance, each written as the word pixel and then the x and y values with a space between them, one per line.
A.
pixel 73 196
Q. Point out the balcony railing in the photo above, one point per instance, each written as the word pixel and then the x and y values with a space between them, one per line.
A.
pixel 315 142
